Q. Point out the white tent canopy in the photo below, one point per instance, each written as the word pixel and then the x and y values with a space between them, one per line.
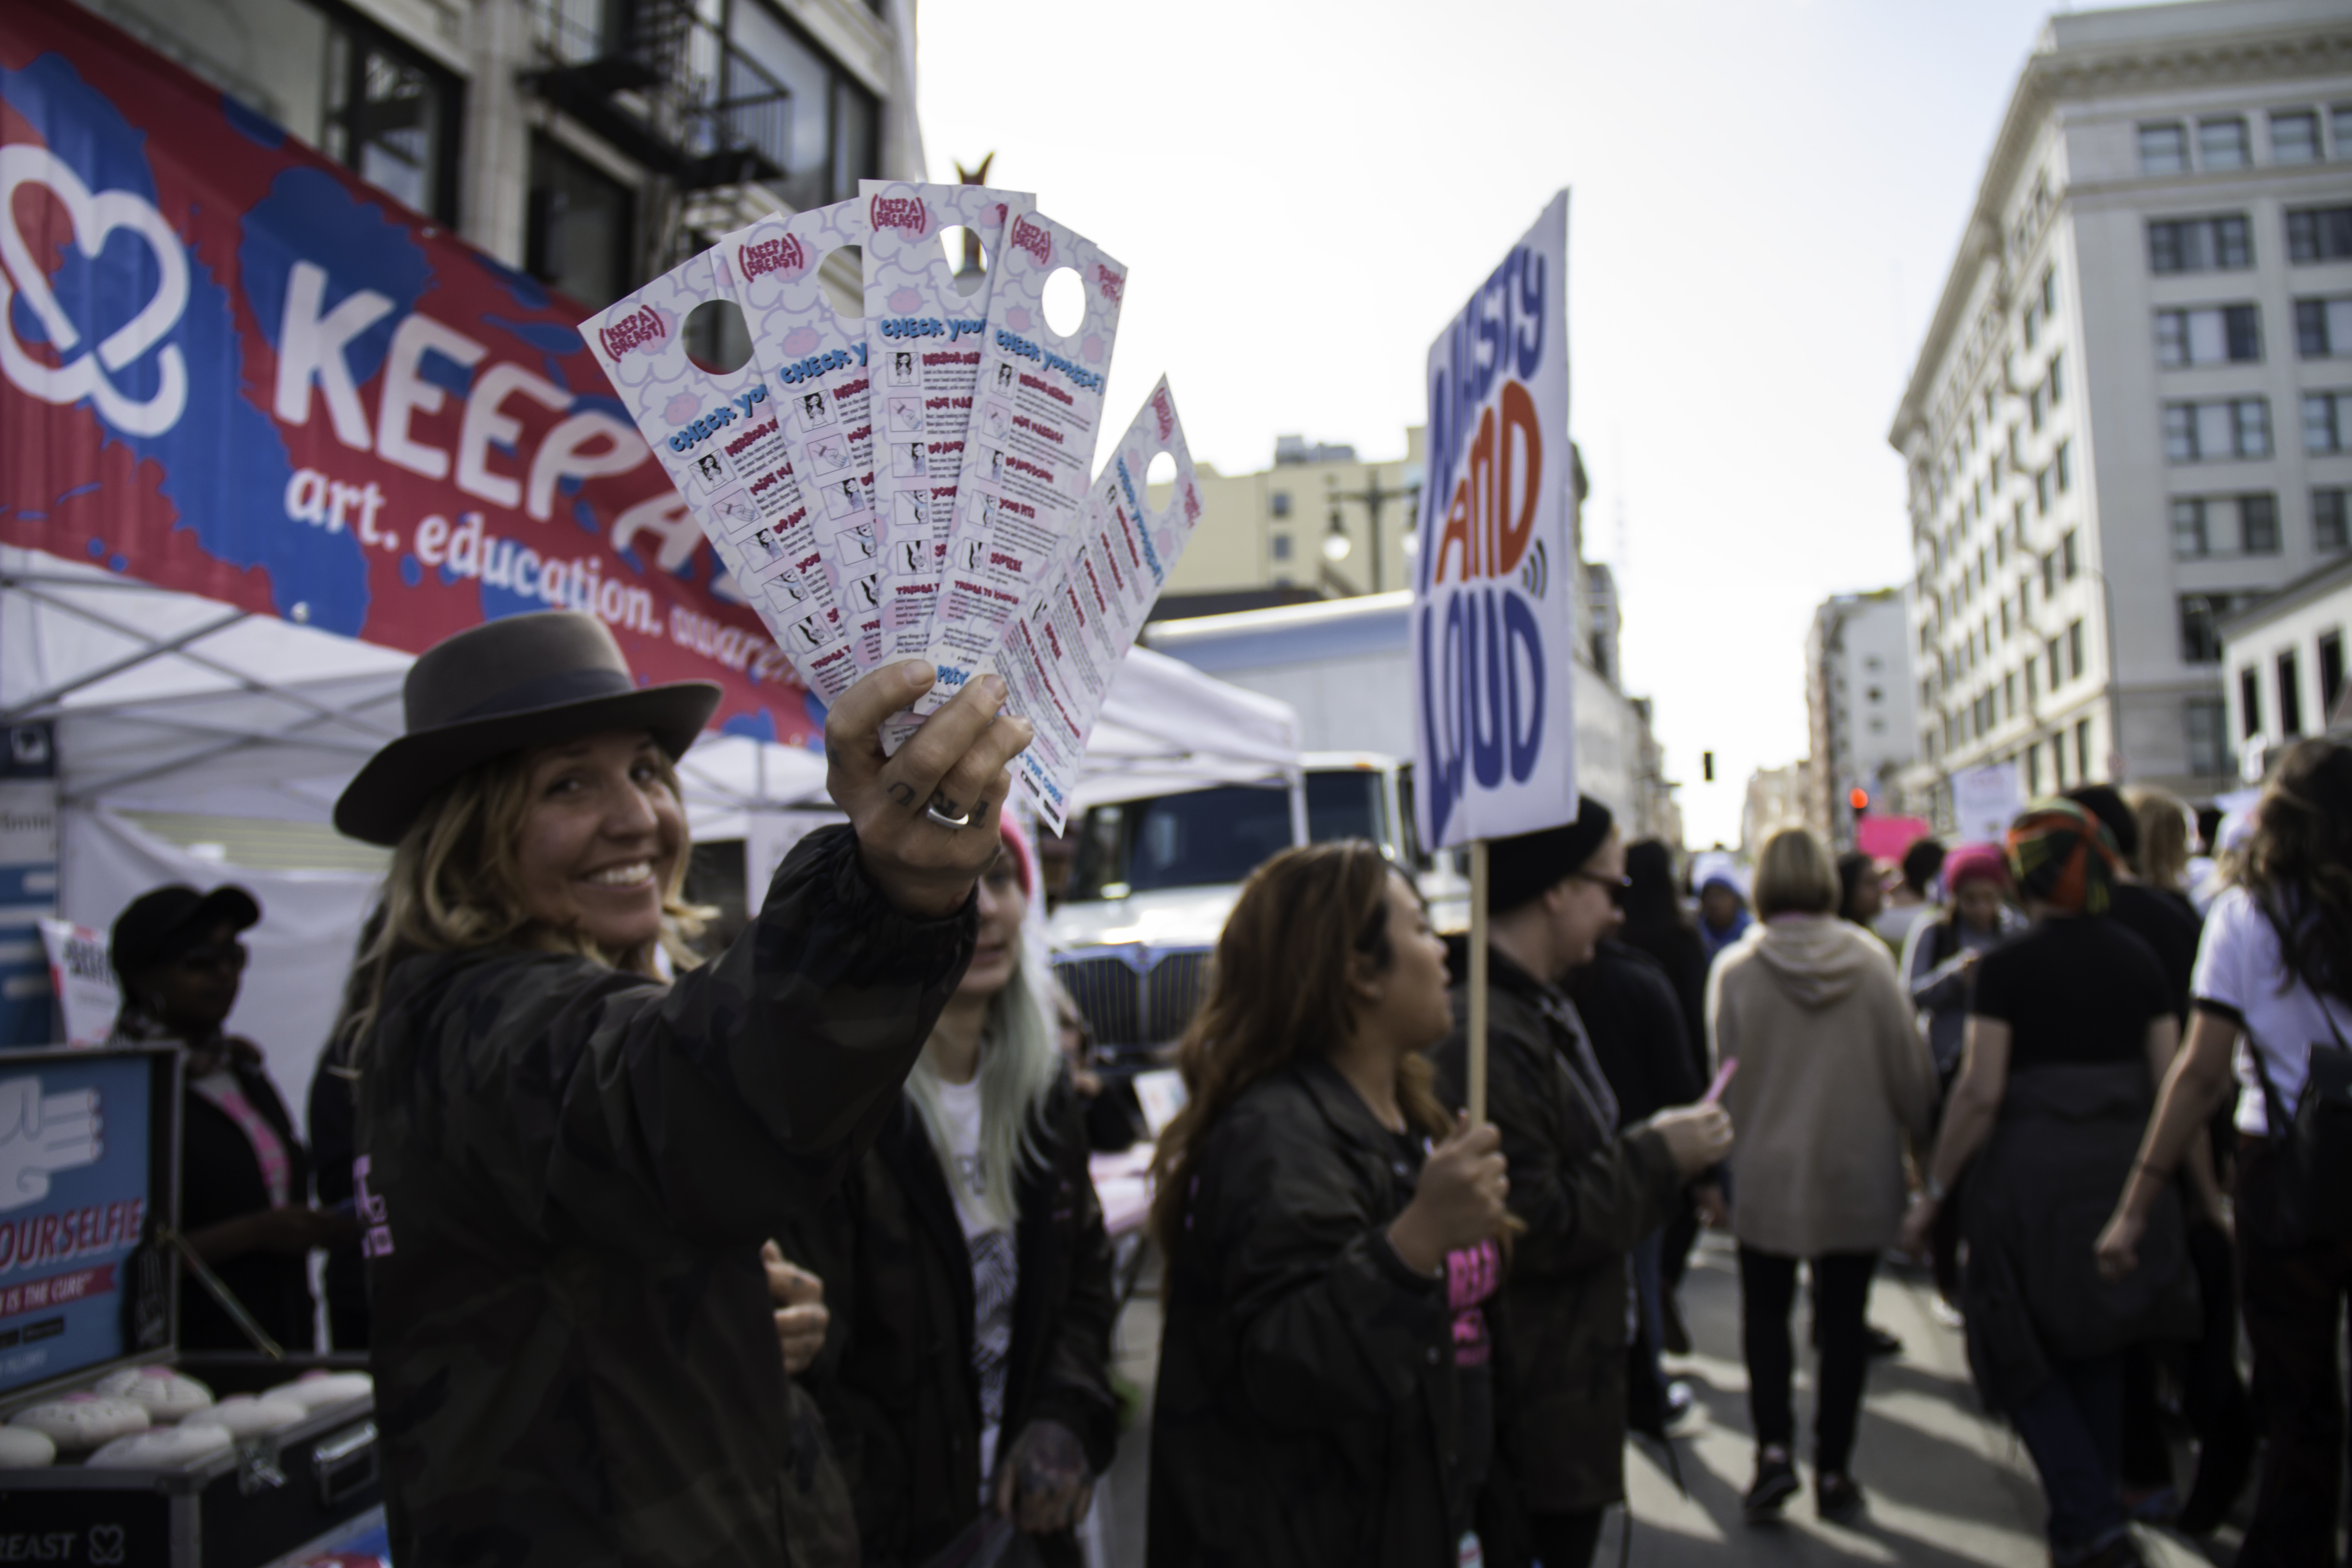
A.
pixel 173 704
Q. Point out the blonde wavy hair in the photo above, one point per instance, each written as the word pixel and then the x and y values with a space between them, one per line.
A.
pixel 455 884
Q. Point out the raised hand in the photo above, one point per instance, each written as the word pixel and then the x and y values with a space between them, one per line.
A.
pixel 955 764
pixel 1459 1201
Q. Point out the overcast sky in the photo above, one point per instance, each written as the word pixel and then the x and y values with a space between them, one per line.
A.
pixel 1765 197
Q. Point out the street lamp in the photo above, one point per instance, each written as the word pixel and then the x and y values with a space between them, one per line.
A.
pixel 1335 544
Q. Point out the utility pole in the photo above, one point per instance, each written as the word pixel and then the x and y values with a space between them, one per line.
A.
pixel 1376 498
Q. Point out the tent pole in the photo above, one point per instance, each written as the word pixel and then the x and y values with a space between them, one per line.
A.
pixel 129 661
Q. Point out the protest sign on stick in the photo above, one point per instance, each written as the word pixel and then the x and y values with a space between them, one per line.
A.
pixel 1494 617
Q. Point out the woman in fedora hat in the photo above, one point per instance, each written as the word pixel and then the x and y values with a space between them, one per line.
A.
pixel 566 1165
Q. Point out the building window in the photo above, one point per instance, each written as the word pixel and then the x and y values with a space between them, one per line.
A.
pixel 2033 755
pixel 2295 137
pixel 2063 462
pixel 2341 117
pixel 2200 244
pixel 2326 421
pixel 2074 648
pixel 2323 328
pixel 2224 427
pixel 2319 233
pixel 2258 528
pixel 2164 148
pixel 2041 493
pixel 2033 407
pixel 2049 291
pixel 2331 675
pixel 1282 547
pixel 2050 576
pixel 2331 527
pixel 2290 690
pixel 2058 760
pixel 2250 703
pixel 2057 676
pixel 836 135
pixel 2199 643
pixel 2214 335
pixel 2189 540
pixel 2069 555
pixel 1279 503
pixel 579 228
pixel 2082 749
pixel 2209 752
pixel 2221 143
pixel 2008 694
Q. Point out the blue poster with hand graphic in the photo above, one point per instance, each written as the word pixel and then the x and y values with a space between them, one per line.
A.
pixel 74 1190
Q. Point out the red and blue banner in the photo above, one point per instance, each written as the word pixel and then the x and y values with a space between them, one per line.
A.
pixel 230 367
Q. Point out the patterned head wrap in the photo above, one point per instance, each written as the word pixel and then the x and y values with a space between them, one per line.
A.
pixel 2062 855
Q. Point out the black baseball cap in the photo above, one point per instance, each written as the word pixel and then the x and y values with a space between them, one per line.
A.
pixel 162 924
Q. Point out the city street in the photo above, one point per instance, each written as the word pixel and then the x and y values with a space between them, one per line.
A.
pixel 1948 1486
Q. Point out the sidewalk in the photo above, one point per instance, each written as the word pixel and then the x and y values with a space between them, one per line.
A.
pixel 1946 1486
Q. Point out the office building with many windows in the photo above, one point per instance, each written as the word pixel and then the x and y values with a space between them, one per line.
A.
pixel 1859 705
pixel 590 144
pixel 2132 415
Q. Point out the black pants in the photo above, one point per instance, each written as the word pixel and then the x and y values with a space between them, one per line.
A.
pixel 1566 1539
pixel 1767 1286
pixel 2294 1299
pixel 2213 1396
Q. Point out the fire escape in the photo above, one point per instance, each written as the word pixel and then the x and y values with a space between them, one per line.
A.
pixel 661 83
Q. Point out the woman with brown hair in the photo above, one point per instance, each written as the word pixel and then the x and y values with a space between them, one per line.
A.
pixel 2275 970
pixel 1323 1261
pixel 568 1166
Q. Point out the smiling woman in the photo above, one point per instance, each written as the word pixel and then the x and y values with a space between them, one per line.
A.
pixel 568 1166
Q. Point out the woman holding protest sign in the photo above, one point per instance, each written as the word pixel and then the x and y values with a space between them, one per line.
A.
pixel 1326 1264
pixel 569 1167
pixel 967 1368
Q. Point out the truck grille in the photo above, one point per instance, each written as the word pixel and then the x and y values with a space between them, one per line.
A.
pixel 1135 996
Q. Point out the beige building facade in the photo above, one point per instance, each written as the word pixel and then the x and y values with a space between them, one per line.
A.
pixel 1320 521
pixel 2132 415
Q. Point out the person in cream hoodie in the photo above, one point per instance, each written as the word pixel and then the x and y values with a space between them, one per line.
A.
pixel 1832 1078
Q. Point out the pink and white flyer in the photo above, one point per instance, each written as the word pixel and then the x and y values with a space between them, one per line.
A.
pixel 1059 656
pixel 814 363
pixel 1031 444
pixel 718 436
pixel 923 339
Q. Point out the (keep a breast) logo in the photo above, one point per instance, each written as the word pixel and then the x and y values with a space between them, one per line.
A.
pixel 84 369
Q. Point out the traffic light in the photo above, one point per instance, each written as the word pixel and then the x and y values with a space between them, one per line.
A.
pixel 1706 767
pixel 1858 799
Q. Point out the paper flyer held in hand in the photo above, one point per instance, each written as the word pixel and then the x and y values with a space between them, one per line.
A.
pixel 1031 445
pixel 1059 656
pixel 814 364
pixel 719 437
pixel 923 347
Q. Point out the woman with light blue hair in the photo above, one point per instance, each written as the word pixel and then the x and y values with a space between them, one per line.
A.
pixel 965 1377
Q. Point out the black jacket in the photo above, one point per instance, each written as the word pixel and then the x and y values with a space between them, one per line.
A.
pixel 895 1378
pixel 1677 950
pixel 220 1179
pixel 1586 1195
pixel 1306 1406
pixel 1629 1011
pixel 571 1171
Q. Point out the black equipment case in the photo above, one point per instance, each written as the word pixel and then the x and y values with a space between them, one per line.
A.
pixel 88 1282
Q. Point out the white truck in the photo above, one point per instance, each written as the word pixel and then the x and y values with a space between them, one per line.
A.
pixel 1154 879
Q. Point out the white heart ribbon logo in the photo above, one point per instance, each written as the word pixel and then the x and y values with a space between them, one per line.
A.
pixel 94 217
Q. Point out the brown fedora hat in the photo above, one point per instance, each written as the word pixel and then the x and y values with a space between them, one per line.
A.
pixel 525 680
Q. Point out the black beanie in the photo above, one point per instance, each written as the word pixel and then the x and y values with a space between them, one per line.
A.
pixel 1522 870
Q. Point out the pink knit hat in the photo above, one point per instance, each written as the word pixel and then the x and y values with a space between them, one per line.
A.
pixel 1978 862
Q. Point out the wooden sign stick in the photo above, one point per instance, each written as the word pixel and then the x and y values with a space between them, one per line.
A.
pixel 1477 1084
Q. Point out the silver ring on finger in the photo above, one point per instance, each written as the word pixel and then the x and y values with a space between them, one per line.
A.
pixel 946 818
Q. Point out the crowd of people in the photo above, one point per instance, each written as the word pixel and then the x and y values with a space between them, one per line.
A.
pixel 792 1254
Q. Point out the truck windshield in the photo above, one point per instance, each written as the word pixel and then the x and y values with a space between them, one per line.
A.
pixel 1211 837
pixel 1198 839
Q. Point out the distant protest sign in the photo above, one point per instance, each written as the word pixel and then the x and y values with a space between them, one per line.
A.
pixel 1985 801
pixel 1495 576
